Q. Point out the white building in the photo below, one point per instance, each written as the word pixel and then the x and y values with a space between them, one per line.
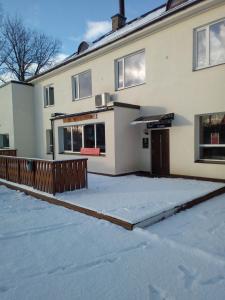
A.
pixel 161 107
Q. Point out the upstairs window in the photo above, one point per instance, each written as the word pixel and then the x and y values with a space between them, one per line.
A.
pixel 4 141
pixel 49 96
pixel 82 85
pixel 210 45
pixel 130 70
pixel 212 136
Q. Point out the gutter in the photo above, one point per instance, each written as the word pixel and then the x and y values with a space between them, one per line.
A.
pixel 165 15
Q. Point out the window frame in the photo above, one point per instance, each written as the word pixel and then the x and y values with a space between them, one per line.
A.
pixel 83 141
pixel 195 46
pixel 77 79
pixel 122 59
pixel 46 103
pixel 199 145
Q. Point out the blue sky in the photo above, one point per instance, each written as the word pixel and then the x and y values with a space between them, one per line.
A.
pixel 72 21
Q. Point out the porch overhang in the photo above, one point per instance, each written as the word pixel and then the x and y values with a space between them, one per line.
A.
pixel 155 121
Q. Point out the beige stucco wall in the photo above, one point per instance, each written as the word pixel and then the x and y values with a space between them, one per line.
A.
pixel 127 144
pixel 171 86
pixel 17 117
pixel 23 119
pixel 6 113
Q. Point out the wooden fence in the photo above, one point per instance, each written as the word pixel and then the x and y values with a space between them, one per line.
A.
pixel 8 152
pixel 47 176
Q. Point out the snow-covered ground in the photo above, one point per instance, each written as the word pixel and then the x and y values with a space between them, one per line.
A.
pixel 51 253
pixel 134 198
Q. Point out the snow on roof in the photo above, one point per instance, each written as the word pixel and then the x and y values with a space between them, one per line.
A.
pixel 113 36
pixel 129 27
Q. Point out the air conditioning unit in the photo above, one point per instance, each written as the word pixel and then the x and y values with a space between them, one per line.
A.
pixel 102 100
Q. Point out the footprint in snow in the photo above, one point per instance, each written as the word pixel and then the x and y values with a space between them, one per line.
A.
pixel 213 280
pixel 188 276
pixel 155 294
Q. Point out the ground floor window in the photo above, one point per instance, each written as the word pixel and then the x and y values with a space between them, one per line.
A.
pixel 49 140
pixel 84 136
pixel 212 136
pixel 4 141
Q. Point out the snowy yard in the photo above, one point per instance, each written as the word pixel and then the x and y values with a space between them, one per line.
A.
pixel 133 198
pixel 51 253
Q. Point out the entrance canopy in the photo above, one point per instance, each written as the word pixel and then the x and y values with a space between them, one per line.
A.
pixel 156 121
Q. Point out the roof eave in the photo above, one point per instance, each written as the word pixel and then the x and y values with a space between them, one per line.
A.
pixel 164 16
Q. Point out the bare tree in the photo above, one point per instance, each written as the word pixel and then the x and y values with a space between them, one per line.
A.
pixel 25 52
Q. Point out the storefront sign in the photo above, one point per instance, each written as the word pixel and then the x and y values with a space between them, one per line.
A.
pixel 79 118
pixel 161 124
pixel 145 143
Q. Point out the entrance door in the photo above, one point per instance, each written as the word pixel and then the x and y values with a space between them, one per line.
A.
pixel 160 152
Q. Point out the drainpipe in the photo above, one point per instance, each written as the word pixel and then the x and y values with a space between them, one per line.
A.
pixel 53 139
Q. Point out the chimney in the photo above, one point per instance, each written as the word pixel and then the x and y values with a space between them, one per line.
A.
pixel 119 20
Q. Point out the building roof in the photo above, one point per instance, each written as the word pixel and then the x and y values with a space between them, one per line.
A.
pixel 131 27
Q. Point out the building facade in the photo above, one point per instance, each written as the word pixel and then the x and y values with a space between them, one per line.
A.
pixel 165 104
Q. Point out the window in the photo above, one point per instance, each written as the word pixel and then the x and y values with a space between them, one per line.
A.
pixel 82 85
pixel 67 133
pixel 210 45
pixel 84 136
pixel 49 96
pixel 89 136
pixel 212 136
pixel 49 140
pixel 77 138
pixel 4 141
pixel 130 70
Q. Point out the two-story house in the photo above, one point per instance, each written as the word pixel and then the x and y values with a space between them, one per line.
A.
pixel 148 96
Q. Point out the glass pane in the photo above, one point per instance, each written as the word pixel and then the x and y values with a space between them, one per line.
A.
pixel 100 136
pixel 201 48
pixel 51 95
pixel 217 43
pixel 75 87
pixel 85 85
pixel 120 74
pixel 217 153
pixel 89 136
pixel 77 138
pixel 67 139
pixel 212 129
pixel 49 138
pixel 134 69
pixel 46 97
pixel 4 141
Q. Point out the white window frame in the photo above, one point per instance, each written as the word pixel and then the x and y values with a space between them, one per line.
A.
pixel 122 59
pixel 197 128
pixel 76 78
pixel 71 136
pixel 47 101
pixel 207 63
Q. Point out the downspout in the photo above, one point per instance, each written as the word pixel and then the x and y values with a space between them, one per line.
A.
pixel 53 139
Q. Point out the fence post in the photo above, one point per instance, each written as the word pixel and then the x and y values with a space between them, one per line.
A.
pixel 53 179
pixel 6 170
pixel 86 174
pixel 18 172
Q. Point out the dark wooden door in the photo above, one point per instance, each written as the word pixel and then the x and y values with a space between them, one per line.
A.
pixel 160 152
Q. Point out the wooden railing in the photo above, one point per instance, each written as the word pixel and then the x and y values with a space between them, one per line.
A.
pixel 8 152
pixel 47 176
